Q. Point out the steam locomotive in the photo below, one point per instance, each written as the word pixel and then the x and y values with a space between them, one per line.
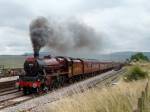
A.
pixel 45 73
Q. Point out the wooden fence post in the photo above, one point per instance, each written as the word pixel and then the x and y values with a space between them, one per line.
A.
pixel 146 90
pixel 143 99
pixel 139 105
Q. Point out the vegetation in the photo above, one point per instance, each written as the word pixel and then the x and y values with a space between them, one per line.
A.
pixel 123 97
pixel 138 57
pixel 120 98
pixel 12 61
pixel 135 73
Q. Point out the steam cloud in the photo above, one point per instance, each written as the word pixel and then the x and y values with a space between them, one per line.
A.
pixel 63 37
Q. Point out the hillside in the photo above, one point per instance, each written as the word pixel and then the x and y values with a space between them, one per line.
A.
pixel 120 56
pixel 13 61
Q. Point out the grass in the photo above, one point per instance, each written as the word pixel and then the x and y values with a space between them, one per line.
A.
pixel 11 61
pixel 120 98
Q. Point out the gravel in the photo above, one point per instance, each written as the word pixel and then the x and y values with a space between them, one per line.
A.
pixel 57 94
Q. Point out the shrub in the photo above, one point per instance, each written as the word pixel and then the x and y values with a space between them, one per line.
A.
pixel 138 57
pixel 135 73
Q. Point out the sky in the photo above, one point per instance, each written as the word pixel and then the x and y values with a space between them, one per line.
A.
pixel 124 25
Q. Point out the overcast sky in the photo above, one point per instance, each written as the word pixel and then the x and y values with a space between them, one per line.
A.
pixel 123 24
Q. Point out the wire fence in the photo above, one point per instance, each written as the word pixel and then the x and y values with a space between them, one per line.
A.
pixel 4 72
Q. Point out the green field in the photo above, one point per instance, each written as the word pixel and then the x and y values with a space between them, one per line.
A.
pixel 12 61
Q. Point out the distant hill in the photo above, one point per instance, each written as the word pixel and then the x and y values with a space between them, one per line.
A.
pixel 16 61
pixel 41 54
pixel 120 56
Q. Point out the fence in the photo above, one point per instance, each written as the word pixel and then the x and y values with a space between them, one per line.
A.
pixel 10 71
pixel 1 69
pixel 144 100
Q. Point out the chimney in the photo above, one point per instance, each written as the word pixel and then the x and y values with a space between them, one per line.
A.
pixel 36 52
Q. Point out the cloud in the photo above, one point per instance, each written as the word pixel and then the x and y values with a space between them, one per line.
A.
pixel 14 41
pixel 123 24
pixel 14 15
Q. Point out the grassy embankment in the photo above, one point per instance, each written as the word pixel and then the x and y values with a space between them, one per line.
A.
pixel 10 61
pixel 119 98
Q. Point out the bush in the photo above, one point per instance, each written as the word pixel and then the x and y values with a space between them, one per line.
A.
pixel 138 57
pixel 135 73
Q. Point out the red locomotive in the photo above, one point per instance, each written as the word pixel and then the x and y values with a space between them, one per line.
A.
pixel 49 72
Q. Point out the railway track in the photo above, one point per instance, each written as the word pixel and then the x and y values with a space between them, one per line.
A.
pixel 69 90
pixel 14 101
pixel 12 96
pixel 7 84
pixel 110 79
pixel 6 89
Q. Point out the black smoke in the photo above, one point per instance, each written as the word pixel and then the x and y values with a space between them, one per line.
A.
pixel 63 37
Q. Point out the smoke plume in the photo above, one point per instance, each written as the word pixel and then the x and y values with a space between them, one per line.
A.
pixel 63 37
